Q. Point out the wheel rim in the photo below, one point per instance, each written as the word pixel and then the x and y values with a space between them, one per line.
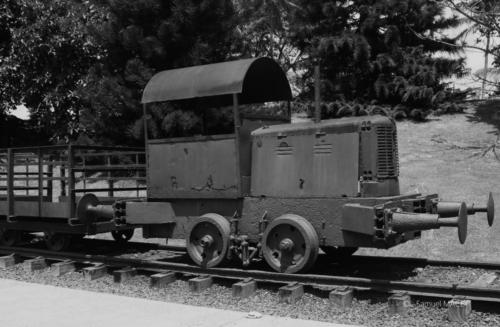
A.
pixel 122 235
pixel 290 244
pixel 207 240
pixel 57 242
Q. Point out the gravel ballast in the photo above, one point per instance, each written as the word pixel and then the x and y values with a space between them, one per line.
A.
pixel 370 312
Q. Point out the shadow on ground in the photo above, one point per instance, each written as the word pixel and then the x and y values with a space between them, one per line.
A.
pixel 487 112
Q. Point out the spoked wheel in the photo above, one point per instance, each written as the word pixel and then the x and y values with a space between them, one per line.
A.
pixel 122 236
pixel 207 240
pixel 10 237
pixel 57 242
pixel 339 253
pixel 290 244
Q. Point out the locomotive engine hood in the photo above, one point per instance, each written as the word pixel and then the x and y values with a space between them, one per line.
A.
pixel 355 156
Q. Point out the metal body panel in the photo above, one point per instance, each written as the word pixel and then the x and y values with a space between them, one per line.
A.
pixel 188 209
pixel 60 227
pixel 311 160
pixel 193 169
pixel 358 218
pixel 149 213
pixel 32 209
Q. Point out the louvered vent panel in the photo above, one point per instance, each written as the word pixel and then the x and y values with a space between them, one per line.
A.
pixel 387 154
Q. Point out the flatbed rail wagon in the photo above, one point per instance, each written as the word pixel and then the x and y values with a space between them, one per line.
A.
pixel 40 187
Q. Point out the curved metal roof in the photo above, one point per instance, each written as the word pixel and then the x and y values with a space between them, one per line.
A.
pixel 254 80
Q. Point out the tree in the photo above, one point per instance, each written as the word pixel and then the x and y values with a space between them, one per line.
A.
pixel 8 20
pixel 141 38
pixel 46 53
pixel 378 50
pixel 483 18
pixel 265 31
pixel 80 66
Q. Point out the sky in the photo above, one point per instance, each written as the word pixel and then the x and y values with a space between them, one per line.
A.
pixel 474 57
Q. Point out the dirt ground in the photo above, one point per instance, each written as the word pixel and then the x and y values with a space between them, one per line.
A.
pixel 452 155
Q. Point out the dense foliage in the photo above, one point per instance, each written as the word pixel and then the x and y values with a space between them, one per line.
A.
pixel 80 66
pixel 141 38
pixel 379 51
pixel 49 51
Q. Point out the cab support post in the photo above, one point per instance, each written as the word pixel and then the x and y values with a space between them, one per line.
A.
pixel 10 182
pixel 146 138
pixel 317 96
pixel 237 125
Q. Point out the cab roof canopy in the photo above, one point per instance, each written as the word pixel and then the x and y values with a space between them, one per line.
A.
pixel 255 80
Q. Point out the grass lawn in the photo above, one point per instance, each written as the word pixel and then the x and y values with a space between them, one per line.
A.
pixel 445 155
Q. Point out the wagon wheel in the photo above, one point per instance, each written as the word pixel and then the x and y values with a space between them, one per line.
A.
pixel 10 237
pixel 57 241
pixel 207 240
pixel 122 236
pixel 290 244
pixel 339 253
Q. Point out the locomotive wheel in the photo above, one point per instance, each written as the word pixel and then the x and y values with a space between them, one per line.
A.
pixel 10 237
pixel 122 236
pixel 338 253
pixel 290 244
pixel 57 241
pixel 207 240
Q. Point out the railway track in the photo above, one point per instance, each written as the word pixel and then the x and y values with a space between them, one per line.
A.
pixel 419 289
pixel 365 260
pixel 354 259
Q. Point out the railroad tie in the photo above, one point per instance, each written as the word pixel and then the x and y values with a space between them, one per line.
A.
pixel 94 272
pixel 459 309
pixel 341 297
pixel 399 303
pixel 124 274
pixel 291 293
pixel 485 279
pixel 37 263
pixel 200 283
pixel 245 288
pixel 8 261
pixel 62 268
pixel 161 280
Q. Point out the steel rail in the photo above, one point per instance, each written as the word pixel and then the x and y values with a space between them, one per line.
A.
pixel 357 259
pixel 366 259
pixel 482 294
pixel 363 259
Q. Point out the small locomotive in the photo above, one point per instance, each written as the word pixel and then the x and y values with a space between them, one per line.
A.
pixel 272 189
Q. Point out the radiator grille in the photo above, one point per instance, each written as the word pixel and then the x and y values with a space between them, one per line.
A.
pixel 387 152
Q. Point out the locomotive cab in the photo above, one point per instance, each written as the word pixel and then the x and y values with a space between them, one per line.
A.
pixel 213 166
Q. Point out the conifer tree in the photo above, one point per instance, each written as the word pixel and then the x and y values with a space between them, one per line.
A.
pixel 379 50
pixel 143 37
